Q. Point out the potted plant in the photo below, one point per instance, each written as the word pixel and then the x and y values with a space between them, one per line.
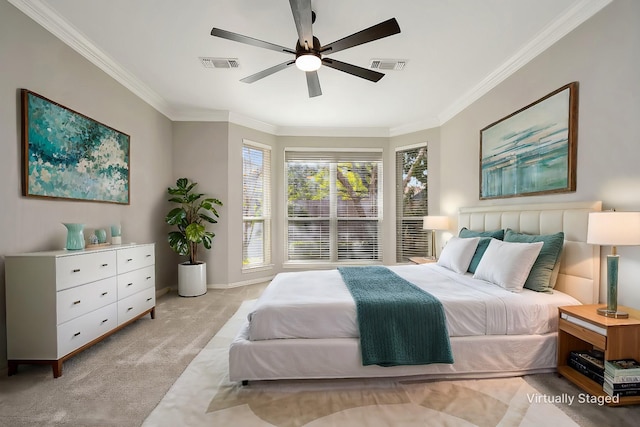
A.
pixel 195 210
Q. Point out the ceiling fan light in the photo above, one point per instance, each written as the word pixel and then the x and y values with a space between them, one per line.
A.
pixel 308 62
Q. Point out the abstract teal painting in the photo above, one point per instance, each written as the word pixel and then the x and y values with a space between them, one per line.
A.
pixel 532 151
pixel 68 155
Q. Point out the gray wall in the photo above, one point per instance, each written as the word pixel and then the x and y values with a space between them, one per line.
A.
pixel 603 55
pixel 33 59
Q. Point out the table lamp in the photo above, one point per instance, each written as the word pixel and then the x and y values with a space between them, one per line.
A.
pixel 434 223
pixel 611 228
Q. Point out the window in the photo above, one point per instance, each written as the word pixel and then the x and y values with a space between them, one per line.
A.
pixel 334 206
pixel 256 205
pixel 411 202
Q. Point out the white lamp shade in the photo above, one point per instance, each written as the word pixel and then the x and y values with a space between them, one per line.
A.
pixel 614 228
pixel 435 222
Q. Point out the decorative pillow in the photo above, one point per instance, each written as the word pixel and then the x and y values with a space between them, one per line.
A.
pixel 507 264
pixel 542 273
pixel 485 238
pixel 457 253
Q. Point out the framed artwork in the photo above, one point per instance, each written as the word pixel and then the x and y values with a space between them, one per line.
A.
pixel 67 155
pixel 532 151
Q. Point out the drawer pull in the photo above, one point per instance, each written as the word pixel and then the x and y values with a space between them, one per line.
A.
pixel 130 308
pixel 129 259
pixel 129 284
pixel 104 293
pixel 76 302
pixel 76 334
pixel 149 299
pixel 104 265
pixel 105 320
pixel 148 277
pixel 76 270
pixel 148 256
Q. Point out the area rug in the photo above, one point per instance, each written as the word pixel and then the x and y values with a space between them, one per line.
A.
pixel 204 396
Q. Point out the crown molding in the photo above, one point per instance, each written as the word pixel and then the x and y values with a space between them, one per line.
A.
pixel 564 24
pixel 332 132
pixel 59 27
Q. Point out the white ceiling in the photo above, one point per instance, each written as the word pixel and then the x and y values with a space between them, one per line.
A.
pixel 456 50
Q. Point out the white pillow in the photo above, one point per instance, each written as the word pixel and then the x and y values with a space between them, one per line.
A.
pixel 507 264
pixel 457 254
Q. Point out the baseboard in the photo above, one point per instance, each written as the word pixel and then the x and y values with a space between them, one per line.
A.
pixel 160 292
pixel 239 284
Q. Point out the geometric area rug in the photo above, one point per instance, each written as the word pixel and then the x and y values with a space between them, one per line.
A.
pixel 204 396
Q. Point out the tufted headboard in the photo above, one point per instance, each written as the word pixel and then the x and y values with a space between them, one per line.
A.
pixel 580 262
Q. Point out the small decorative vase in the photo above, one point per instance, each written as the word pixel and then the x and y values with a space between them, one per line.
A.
pixel 101 234
pixel 75 236
pixel 116 230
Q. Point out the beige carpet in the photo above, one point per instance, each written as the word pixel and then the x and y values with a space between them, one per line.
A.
pixel 203 396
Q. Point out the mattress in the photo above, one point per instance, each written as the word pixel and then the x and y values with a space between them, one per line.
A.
pixel 318 305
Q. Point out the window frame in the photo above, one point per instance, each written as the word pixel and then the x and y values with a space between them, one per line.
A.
pixel 320 155
pixel 266 217
pixel 423 236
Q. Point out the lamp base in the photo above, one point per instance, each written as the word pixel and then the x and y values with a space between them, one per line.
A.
pixel 613 313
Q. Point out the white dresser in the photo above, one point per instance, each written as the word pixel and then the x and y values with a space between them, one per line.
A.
pixel 62 302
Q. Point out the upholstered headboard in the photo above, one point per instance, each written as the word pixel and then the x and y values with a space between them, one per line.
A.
pixel 580 262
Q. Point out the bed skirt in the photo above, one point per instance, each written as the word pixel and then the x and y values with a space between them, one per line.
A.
pixel 484 356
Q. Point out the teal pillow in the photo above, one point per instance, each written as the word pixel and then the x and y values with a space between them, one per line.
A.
pixel 540 276
pixel 485 238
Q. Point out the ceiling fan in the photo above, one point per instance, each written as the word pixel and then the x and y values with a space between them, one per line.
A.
pixel 309 52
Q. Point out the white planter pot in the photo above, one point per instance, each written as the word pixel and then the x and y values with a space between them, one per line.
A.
pixel 192 279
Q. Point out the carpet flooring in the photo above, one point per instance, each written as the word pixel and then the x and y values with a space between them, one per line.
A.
pixel 172 371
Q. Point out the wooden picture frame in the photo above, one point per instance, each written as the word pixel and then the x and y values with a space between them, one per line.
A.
pixel 532 151
pixel 67 155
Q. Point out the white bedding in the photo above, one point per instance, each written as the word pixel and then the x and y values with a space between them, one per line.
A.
pixel 318 305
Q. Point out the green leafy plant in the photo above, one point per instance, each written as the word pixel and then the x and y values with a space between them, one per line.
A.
pixel 190 217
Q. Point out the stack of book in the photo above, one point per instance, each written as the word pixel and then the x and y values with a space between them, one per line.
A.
pixel 589 363
pixel 622 377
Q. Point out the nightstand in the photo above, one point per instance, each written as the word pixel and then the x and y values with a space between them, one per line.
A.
pixel 581 328
pixel 422 260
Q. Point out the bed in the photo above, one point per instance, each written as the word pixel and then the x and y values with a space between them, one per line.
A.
pixel 304 325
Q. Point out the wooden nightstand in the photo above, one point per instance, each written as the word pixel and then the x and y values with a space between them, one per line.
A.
pixel 422 260
pixel 581 328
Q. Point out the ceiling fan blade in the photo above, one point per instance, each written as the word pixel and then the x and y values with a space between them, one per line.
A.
pixel 378 31
pixel 364 73
pixel 217 32
pixel 264 73
pixel 301 10
pixel 313 83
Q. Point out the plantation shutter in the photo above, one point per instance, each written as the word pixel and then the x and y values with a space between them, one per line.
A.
pixel 411 202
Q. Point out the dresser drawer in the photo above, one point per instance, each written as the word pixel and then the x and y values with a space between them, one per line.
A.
pixel 135 281
pixel 83 268
pixel 75 302
pixel 82 330
pixel 132 306
pixel 134 258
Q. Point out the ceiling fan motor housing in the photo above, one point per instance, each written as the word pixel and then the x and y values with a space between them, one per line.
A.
pixel 309 50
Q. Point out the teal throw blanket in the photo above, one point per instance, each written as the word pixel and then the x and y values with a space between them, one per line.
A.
pixel 400 324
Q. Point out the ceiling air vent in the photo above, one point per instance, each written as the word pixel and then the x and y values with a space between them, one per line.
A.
pixel 220 62
pixel 387 64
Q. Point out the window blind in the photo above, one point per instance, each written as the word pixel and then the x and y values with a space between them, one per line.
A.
pixel 256 205
pixel 411 203
pixel 334 205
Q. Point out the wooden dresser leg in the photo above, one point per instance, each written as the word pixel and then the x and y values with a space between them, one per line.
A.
pixel 12 367
pixel 153 313
pixel 56 365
